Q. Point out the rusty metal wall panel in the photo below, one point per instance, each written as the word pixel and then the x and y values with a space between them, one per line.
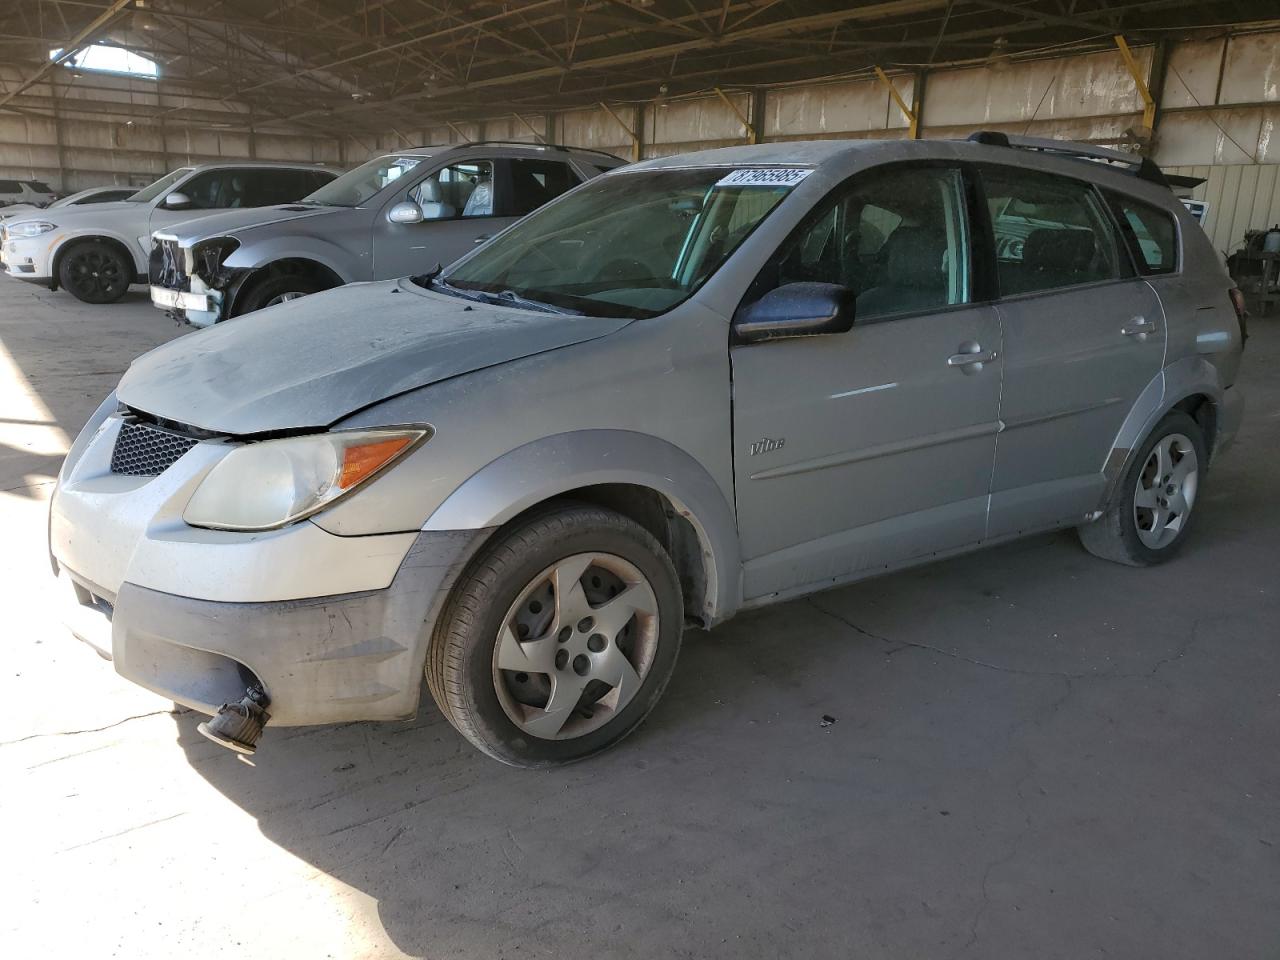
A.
pixel 1096 85
pixel 835 109
pixel 1252 72
pixel 1221 136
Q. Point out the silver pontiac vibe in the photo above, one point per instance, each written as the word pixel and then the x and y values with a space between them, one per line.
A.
pixel 685 388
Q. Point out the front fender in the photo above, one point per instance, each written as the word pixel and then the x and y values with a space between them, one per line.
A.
pixel 256 254
pixel 66 237
pixel 1188 377
pixel 556 465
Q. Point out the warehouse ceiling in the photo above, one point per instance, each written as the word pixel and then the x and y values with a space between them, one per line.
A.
pixel 369 65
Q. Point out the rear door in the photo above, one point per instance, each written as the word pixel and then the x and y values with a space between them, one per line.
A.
pixel 858 450
pixel 1083 336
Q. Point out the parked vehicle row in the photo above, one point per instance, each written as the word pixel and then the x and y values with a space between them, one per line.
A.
pixel 79 199
pixel 35 193
pixel 393 216
pixel 95 252
pixel 684 388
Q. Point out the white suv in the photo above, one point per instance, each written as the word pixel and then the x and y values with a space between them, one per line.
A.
pixel 35 192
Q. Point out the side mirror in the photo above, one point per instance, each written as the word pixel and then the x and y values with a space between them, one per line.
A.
pixel 177 201
pixel 796 310
pixel 406 211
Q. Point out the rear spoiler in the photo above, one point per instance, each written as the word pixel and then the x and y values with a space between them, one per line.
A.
pixel 1144 168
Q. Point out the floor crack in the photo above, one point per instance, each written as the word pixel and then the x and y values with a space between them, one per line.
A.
pixel 72 733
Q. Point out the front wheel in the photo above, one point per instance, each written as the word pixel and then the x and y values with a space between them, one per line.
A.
pixel 273 290
pixel 559 639
pixel 95 272
pixel 1148 520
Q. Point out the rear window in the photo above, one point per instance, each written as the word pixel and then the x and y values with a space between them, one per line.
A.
pixel 39 186
pixel 1150 232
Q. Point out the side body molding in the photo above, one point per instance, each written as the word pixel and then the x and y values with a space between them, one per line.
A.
pixel 1183 378
pixel 557 464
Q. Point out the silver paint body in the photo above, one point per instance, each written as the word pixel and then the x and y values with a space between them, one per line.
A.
pixel 890 455
pixel 360 243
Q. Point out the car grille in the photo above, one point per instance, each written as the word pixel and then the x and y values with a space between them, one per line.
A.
pixel 166 265
pixel 142 450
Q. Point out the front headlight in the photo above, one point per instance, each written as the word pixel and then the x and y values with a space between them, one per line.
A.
pixel 271 483
pixel 30 228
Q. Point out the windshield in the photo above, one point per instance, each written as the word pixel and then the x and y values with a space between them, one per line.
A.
pixel 356 186
pixel 160 186
pixel 628 245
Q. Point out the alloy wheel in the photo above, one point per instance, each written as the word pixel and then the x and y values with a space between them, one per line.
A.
pixel 282 297
pixel 1166 491
pixel 576 645
pixel 95 274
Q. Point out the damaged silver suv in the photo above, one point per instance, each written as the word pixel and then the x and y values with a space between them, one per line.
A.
pixel 686 388
pixel 395 215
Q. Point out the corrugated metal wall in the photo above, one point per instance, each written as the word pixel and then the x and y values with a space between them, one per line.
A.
pixel 1220 108
pixel 1240 197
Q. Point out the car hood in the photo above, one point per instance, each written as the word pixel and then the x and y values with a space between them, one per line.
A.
pixel 237 221
pixel 309 362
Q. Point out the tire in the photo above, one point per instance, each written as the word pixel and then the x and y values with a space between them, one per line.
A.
pixel 509 643
pixel 95 272
pixel 1149 521
pixel 272 290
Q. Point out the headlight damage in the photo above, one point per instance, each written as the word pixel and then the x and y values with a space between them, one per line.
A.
pixel 207 258
pixel 272 483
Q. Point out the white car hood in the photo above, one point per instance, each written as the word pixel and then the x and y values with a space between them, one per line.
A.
pixel 308 363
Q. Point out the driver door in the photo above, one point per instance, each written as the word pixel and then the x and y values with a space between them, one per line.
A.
pixel 460 206
pixel 860 450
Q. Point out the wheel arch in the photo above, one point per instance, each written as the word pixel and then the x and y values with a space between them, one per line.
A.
pixel 55 265
pixel 1191 385
pixel 645 478
pixel 283 266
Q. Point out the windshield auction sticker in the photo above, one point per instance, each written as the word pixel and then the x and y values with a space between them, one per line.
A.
pixel 775 177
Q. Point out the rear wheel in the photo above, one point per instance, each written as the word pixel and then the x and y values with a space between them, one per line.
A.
pixel 1149 518
pixel 559 639
pixel 95 272
pixel 272 290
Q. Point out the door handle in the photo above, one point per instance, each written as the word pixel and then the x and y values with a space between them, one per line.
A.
pixel 971 353
pixel 1138 326
pixel 482 238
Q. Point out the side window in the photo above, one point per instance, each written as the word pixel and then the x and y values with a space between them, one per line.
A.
pixel 1150 233
pixel 219 189
pixel 458 190
pixel 10 186
pixel 535 182
pixel 39 186
pixel 897 237
pixel 268 187
pixel 1050 231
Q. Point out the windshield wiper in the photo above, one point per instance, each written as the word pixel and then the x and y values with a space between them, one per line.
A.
pixel 518 300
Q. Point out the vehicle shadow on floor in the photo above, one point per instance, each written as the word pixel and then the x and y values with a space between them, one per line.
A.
pixel 849 774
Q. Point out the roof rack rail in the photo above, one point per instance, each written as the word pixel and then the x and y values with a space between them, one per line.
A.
pixel 1144 168
pixel 527 143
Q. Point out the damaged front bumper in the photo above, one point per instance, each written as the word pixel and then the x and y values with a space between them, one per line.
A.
pixel 190 284
pixel 357 656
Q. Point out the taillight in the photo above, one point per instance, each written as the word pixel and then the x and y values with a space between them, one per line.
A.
pixel 1242 314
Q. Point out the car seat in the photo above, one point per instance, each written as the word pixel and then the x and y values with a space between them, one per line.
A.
pixel 912 277
pixel 431 199
pixel 480 203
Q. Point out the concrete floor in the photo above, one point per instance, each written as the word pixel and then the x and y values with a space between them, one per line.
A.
pixel 1036 754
